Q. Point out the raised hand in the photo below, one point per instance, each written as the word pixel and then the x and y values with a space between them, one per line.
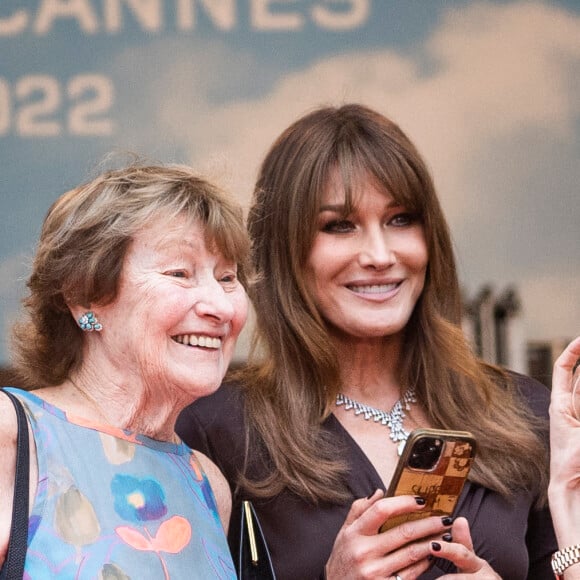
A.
pixel 564 488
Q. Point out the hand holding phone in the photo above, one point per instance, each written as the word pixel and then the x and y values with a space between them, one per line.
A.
pixel 434 465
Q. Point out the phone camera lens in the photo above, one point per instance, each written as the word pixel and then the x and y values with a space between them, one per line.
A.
pixel 425 453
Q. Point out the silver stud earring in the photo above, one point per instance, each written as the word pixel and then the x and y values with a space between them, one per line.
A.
pixel 88 322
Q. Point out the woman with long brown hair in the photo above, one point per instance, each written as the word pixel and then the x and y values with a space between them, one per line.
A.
pixel 358 307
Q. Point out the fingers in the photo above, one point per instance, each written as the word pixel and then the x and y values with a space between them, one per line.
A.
pixel 413 558
pixel 466 560
pixel 461 534
pixel 360 552
pixel 377 513
pixel 562 375
pixel 565 398
pixel 367 514
pixel 460 552
pixel 409 572
pixel 359 506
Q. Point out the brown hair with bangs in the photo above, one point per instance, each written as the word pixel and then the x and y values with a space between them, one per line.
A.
pixel 293 375
pixel 82 247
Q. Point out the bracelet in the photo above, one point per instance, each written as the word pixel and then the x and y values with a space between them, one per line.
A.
pixel 564 558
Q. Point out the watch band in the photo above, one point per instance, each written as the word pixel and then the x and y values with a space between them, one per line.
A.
pixel 564 558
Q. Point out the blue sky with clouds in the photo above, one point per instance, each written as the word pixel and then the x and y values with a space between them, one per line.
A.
pixel 487 90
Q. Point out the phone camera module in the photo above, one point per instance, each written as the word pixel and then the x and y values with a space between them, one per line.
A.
pixel 425 453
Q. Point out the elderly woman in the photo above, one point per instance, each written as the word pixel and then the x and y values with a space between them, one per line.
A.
pixel 564 488
pixel 136 301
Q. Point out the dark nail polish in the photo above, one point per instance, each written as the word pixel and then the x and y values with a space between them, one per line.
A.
pixel 436 546
pixel 447 537
pixel 420 500
pixel 447 520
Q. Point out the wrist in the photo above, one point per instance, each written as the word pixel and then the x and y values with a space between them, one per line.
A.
pixel 572 573
pixel 566 562
pixel 565 511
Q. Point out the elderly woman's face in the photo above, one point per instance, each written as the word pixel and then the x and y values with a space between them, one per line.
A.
pixel 178 313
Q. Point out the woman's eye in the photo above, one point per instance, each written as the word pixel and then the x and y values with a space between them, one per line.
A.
pixel 338 226
pixel 403 219
pixel 178 274
pixel 229 281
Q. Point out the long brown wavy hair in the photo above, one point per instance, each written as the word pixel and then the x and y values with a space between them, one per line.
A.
pixel 293 375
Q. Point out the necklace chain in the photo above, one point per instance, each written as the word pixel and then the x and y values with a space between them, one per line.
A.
pixel 393 419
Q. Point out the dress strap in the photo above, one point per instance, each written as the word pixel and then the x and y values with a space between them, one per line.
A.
pixel 13 568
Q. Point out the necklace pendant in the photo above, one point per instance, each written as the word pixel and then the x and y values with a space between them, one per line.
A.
pixel 392 419
pixel 401 446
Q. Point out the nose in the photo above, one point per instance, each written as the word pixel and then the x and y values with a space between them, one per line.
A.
pixel 376 251
pixel 214 302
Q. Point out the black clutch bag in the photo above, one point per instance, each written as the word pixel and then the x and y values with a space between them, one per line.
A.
pixel 254 561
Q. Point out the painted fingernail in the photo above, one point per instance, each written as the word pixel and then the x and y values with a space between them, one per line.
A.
pixel 436 546
pixel 447 520
pixel 420 500
pixel 447 537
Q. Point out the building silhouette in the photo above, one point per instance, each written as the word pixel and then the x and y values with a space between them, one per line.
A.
pixel 493 323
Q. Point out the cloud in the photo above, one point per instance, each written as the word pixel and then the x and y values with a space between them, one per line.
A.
pixel 490 98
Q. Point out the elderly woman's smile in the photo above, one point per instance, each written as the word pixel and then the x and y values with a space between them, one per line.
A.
pixel 198 340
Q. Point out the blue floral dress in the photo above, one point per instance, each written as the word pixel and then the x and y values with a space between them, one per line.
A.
pixel 113 504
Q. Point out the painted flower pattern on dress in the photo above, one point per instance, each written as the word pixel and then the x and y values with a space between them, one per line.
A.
pixel 115 505
pixel 138 500
pixel 143 500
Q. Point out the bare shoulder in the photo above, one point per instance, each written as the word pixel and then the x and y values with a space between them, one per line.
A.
pixel 220 487
pixel 8 432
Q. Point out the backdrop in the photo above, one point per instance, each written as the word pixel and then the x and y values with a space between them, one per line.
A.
pixel 489 91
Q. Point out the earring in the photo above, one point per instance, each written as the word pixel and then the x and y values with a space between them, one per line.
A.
pixel 88 322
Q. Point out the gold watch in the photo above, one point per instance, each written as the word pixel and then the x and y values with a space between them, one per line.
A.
pixel 564 558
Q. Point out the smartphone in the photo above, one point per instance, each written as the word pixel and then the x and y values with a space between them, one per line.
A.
pixel 434 465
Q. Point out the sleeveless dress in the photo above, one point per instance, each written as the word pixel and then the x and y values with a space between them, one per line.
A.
pixel 113 504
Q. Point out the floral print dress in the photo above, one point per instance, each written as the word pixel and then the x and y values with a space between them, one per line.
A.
pixel 112 504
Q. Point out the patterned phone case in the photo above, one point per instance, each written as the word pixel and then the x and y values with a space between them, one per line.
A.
pixel 439 486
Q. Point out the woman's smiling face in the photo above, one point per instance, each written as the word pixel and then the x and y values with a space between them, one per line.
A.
pixel 366 270
pixel 178 313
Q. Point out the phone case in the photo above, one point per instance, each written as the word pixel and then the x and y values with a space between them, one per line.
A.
pixel 439 486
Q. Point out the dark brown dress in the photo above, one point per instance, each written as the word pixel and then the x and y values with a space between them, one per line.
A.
pixel 516 539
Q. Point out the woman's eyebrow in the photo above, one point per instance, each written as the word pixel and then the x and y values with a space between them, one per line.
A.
pixel 337 207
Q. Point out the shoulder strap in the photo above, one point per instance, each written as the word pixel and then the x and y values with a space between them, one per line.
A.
pixel 13 568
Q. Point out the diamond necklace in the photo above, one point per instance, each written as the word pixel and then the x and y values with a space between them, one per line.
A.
pixel 393 419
